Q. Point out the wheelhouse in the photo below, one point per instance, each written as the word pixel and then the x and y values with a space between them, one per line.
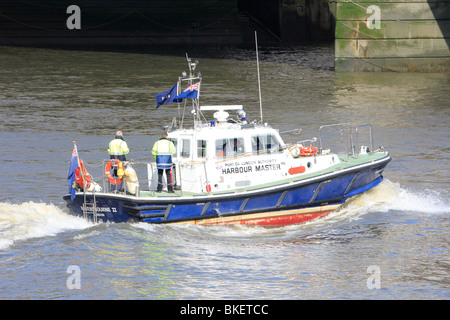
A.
pixel 225 143
pixel 225 138
pixel 211 156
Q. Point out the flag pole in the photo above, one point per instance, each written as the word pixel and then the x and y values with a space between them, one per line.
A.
pixel 259 80
pixel 180 119
pixel 79 165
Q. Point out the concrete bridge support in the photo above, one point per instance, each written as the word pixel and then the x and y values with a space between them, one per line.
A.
pixel 392 35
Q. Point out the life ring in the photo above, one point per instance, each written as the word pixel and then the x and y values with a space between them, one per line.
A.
pixel 108 175
pixel 308 151
pixel 82 176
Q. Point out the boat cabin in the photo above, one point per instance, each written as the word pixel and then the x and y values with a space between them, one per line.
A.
pixel 226 154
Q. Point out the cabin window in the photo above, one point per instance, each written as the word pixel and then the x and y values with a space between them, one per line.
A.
pixel 229 148
pixel 175 142
pixel 185 148
pixel 201 148
pixel 265 144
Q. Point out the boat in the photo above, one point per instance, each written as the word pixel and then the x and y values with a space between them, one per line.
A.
pixel 228 170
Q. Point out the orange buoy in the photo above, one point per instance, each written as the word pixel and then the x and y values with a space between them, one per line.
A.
pixel 108 166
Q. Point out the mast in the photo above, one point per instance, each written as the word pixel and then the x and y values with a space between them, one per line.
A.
pixel 190 79
pixel 259 81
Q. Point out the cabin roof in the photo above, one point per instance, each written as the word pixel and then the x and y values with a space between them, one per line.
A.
pixel 227 130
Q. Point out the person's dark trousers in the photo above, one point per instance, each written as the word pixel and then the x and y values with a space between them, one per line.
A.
pixel 120 158
pixel 168 177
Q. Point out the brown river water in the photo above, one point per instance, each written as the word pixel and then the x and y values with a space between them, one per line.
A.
pixel 400 229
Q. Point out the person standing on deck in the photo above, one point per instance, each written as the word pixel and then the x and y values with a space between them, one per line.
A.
pixel 163 150
pixel 118 148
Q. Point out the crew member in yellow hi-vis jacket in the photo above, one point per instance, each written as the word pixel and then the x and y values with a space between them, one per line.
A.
pixel 118 148
pixel 163 150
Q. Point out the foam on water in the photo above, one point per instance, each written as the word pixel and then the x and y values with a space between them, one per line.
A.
pixel 392 196
pixel 32 220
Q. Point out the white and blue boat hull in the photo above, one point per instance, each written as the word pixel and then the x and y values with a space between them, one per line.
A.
pixel 287 203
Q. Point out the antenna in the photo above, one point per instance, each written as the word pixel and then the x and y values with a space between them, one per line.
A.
pixel 259 81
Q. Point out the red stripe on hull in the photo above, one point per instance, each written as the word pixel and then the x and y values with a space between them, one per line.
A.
pixel 277 220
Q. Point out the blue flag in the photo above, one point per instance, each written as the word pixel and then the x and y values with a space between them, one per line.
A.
pixel 167 97
pixel 74 164
pixel 190 92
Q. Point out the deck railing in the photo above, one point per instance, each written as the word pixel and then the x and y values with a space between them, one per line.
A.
pixel 350 139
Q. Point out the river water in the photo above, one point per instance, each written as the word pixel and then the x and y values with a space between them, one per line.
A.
pixel 390 243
